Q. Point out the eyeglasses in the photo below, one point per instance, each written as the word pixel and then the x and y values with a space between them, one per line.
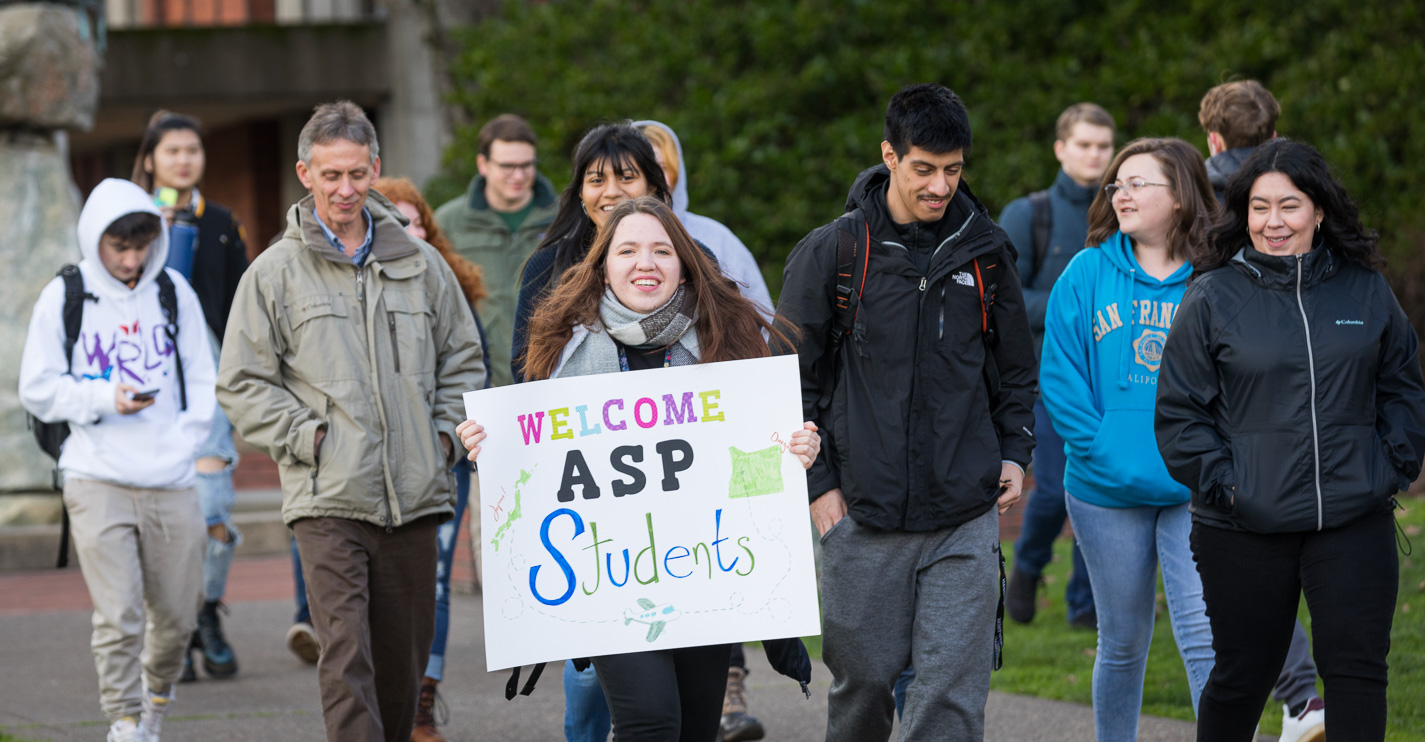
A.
pixel 510 168
pixel 1133 187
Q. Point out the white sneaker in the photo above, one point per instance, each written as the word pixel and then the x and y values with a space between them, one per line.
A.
pixel 155 706
pixel 1307 726
pixel 125 730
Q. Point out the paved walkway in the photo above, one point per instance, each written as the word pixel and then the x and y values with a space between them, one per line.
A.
pixel 48 689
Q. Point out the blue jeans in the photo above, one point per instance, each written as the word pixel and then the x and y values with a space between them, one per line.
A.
pixel 586 713
pixel 215 499
pixel 445 541
pixel 304 611
pixel 1044 516
pixel 1124 547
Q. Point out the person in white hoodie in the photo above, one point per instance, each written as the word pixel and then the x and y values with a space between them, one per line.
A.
pixel 732 256
pixel 128 463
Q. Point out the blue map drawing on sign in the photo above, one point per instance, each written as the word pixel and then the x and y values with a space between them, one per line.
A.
pixel 655 616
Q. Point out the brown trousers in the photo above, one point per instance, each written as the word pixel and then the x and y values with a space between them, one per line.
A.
pixel 372 595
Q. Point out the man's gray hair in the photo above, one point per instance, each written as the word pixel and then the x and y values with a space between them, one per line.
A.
pixel 333 121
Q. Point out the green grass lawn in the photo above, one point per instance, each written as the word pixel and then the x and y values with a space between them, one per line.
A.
pixel 1050 659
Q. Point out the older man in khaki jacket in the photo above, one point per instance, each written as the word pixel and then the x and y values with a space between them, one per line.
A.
pixel 347 350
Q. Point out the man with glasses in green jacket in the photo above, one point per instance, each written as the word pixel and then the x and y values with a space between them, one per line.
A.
pixel 498 222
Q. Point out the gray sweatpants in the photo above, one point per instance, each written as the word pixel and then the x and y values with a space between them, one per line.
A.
pixel 891 600
pixel 141 552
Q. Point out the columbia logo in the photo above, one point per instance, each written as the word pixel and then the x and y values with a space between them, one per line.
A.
pixel 1349 322
pixel 964 279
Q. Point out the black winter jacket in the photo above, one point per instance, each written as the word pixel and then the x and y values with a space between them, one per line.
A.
pixel 218 263
pixel 911 435
pixel 1290 397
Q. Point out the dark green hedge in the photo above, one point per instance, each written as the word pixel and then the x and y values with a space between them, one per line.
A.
pixel 780 104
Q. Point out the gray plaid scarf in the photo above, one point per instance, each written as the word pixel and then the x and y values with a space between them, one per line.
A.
pixel 595 352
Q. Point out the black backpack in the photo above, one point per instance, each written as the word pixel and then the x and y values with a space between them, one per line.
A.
pixel 51 436
pixel 1043 224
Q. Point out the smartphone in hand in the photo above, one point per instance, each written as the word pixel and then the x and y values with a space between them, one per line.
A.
pixel 144 395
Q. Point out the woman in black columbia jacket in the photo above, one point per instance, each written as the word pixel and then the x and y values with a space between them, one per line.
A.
pixel 1291 403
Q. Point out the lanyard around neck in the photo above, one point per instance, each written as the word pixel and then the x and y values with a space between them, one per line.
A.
pixel 623 357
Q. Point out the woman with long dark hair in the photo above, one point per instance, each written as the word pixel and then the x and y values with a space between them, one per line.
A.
pixel 1291 405
pixel 613 163
pixel 206 245
pixel 646 296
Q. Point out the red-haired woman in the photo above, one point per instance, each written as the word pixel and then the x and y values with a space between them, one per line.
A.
pixel 413 206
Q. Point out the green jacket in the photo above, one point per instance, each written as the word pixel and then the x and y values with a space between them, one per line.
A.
pixel 481 236
pixel 377 356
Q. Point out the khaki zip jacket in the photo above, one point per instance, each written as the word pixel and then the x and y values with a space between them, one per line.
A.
pixel 377 356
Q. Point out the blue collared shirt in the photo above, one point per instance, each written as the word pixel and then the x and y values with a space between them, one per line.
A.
pixel 361 252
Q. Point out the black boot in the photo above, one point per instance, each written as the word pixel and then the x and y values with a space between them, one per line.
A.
pixel 194 645
pixel 1019 602
pixel 218 659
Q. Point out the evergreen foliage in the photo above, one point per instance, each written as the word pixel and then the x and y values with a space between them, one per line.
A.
pixel 780 104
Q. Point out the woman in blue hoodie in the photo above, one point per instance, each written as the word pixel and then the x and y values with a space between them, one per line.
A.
pixel 1107 320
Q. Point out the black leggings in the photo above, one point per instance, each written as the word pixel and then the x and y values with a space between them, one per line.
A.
pixel 1252 584
pixel 667 695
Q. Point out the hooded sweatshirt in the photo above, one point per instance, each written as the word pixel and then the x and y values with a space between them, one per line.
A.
pixel 1107 322
pixel 734 257
pixel 121 341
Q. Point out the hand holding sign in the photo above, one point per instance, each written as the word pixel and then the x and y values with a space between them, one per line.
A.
pixel 646 509
pixel 471 433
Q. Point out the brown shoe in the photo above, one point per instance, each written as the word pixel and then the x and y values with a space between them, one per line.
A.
pixel 424 730
pixel 736 724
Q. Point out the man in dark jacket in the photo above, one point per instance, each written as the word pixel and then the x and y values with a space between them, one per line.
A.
pixel 1084 146
pixel 1237 117
pixel 925 413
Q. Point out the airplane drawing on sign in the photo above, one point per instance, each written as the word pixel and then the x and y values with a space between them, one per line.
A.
pixel 656 616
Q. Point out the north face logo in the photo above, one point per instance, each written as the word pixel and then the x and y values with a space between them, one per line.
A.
pixel 964 279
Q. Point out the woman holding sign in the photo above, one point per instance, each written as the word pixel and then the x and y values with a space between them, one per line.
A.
pixel 645 296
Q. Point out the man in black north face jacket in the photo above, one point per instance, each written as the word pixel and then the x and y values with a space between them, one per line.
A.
pixel 928 425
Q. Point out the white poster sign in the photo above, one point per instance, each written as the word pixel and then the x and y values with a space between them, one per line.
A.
pixel 643 510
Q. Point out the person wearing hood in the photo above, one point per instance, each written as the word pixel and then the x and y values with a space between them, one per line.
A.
pixel 137 394
pixel 1107 320
pixel 349 346
pixel 925 412
pixel 738 263
pixel 498 222
pixel 1237 117
pixel 732 256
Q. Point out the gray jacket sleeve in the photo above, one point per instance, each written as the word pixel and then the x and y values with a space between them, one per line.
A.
pixel 250 384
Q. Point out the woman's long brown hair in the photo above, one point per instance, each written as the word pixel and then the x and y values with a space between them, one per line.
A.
pixel 729 326
pixel 471 276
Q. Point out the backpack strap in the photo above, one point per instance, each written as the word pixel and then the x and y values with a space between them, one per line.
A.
pixel 989 334
pixel 168 301
pixel 73 312
pixel 73 315
pixel 853 257
pixel 1043 225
